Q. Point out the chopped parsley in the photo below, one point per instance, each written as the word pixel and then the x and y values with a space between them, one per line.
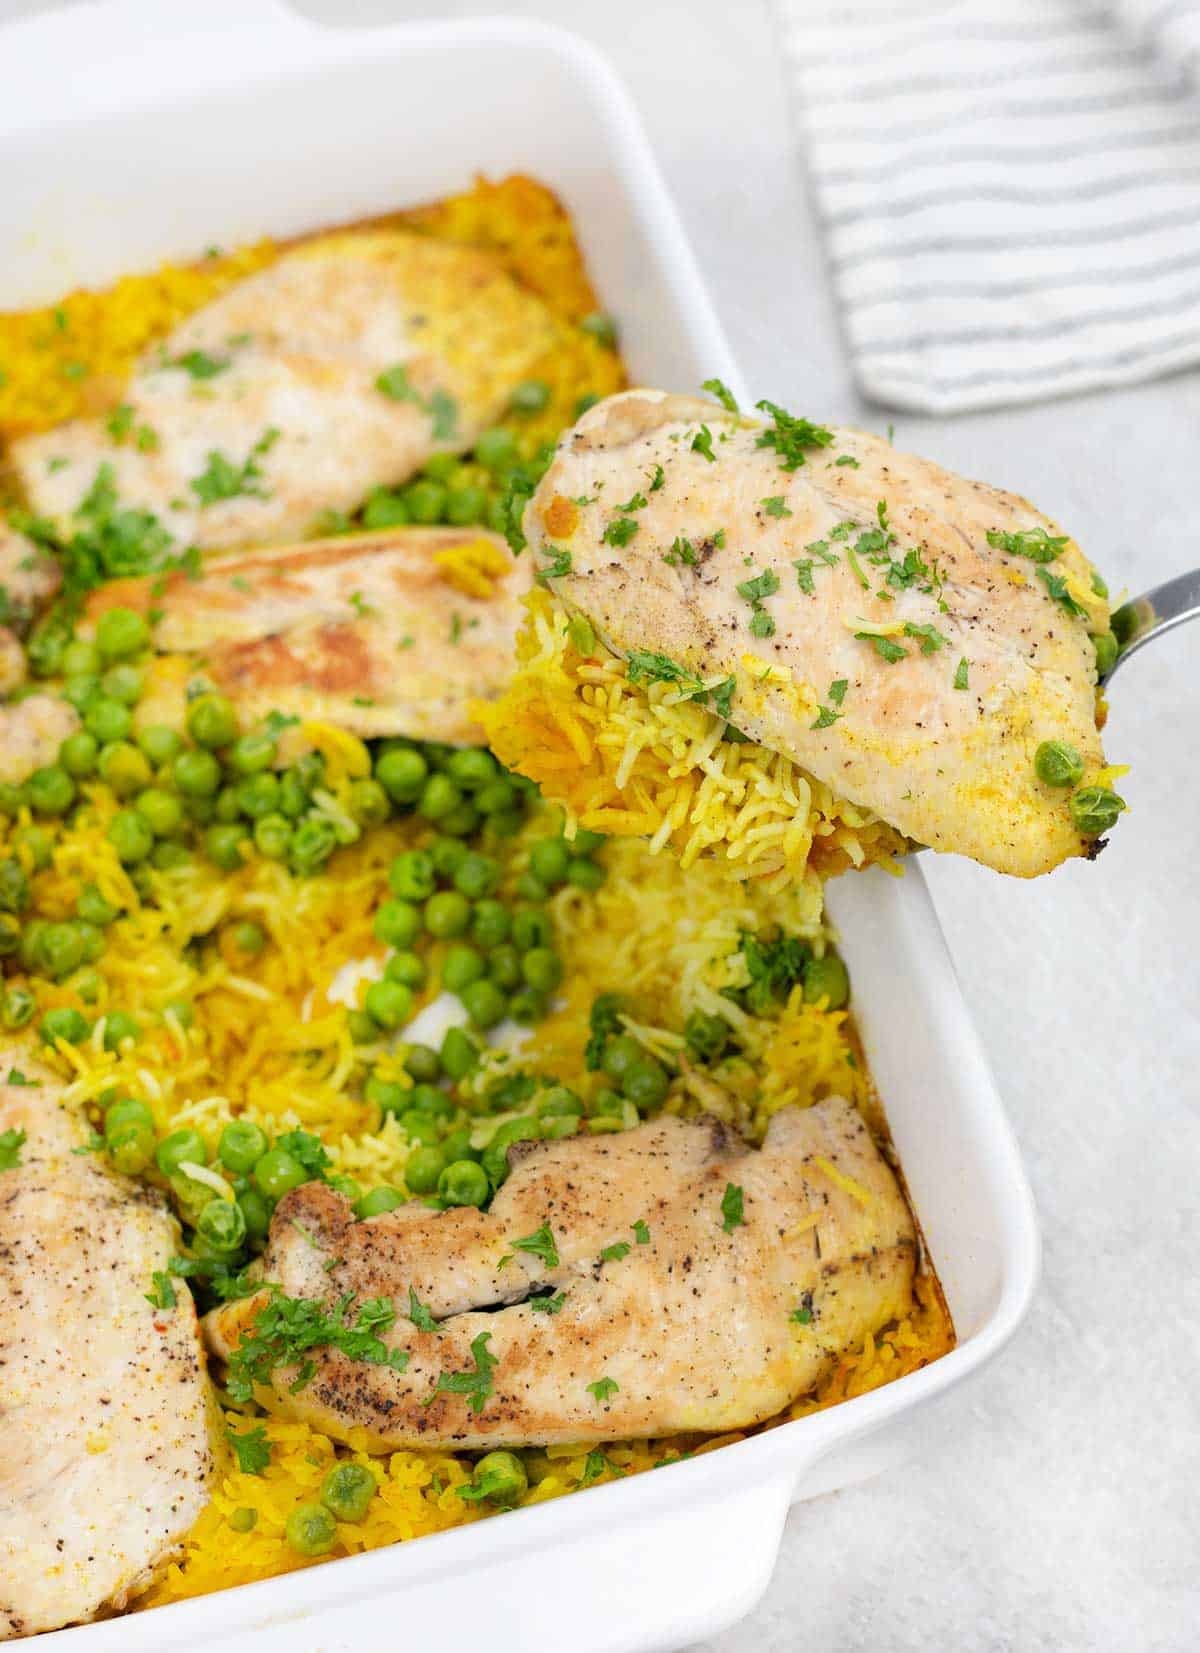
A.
pixel 605 1023
pixel 16 1077
pixel 804 579
pixel 221 479
pixel 656 482
pixel 641 1233
pixel 635 502
pixel 619 531
pixel 753 591
pixel 846 459
pixel 702 444
pixel 548 1305
pixel 682 551
pixel 722 694
pixel 803 1316
pixel 286 1329
pixel 931 639
pixel 442 409
pixel 883 646
pixel 645 664
pixel 594 1466
pixel 308 1149
pixel 539 1244
pixel 614 1253
pixel 1034 543
pixel 960 674
pixel 251 1449
pixel 1056 585
pixel 731 1208
pixel 419 1314
pixel 163 1295
pixel 11 1143
pixel 775 506
pixel 360 605
pixel 773 968
pixel 559 564
pixel 200 365
pixel 791 437
pixel 722 392
pixel 603 1389
pixel 825 719
pixel 395 383
pixel 475 1386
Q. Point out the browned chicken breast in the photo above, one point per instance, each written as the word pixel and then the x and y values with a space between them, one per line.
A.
pixel 667 1278
pixel 104 1401
pixel 342 366
pixel 908 637
pixel 391 633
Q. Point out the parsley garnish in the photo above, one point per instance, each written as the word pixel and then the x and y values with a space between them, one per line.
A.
pixel 641 1233
pixel 163 1295
pixel 791 437
pixel 614 1253
pixel 441 408
pixel 1034 543
pixel 200 364
pixel 395 382
pixel 804 579
pixel 762 585
pixel 603 1389
pixel 594 1467
pixel 360 605
pixel 846 459
pixel 605 1022
pixel 657 668
pixel 775 506
pixel 619 531
pixel 636 502
pixel 1056 585
pixel 443 411
pixel 11 1143
pixel 539 1244
pixel 825 719
pixel 722 392
pixel 731 1208
pixel 774 967
pixel 548 1305
pixel 960 675
pixel 682 551
pixel 419 1314
pixel 251 1449
pixel 475 1385
pixel 16 1077
pixel 702 443
pixel 837 690
pixel 722 696
pixel 276 722
pixel 931 639
pixel 221 479
pixel 803 1316
pixel 559 564
pixel 660 476
pixel 286 1328
pixel 883 646
pixel 308 1149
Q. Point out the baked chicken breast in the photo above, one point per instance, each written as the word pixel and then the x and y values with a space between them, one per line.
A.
pixel 908 637
pixel 340 367
pixel 666 1278
pixel 388 633
pixel 106 1427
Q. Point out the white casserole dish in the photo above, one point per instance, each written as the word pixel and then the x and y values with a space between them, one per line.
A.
pixel 132 132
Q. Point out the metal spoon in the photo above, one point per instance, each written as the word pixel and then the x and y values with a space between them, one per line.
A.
pixel 1160 609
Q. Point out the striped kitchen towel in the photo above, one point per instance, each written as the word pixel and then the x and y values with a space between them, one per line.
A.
pixel 1010 190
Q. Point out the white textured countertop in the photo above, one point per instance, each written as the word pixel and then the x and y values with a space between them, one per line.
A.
pixel 1063 1513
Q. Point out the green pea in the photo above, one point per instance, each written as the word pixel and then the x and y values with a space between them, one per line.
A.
pixel 442 466
pixel 707 1036
pixel 160 743
pixel 252 753
pixel 496 798
pixel 495 448
pixel 490 924
pixel 79 657
pixel 311 1530
pixel 619 1056
pixel 645 1083
pixel 377 1202
pixel 424 1064
pixel 130 1147
pixel 123 683
pixel 222 1225
pixel 447 914
pixel 77 754
pixel 107 719
pixel 402 774
pixel 459 1053
pixel 130 837
pixel 256 1209
pixel 389 1004
pixel 313 842
pixel 17 1006
pixel 495 1155
pixel 15 894
pixel 1058 764
pixel 129 1110
pixel 243 1519
pixel 600 327
pixel 530 396
pixel 277 1172
pixel 1094 809
pixel 411 875
pixel 1107 650
pixel 258 795
pixel 531 928
pixel 549 860
pixel 228 809
pixel 583 874
pixel 476 876
pixel 249 937
pixel 419 1126
pixel 93 908
pixel 430 1099
pixel 212 721
pixel 439 796
pixel 527 1006
pixel 531 888
pixel 224 845
pixel 91 939
pixel 426 501
pixel 121 632
pixel 504 967
pixel 347 1491
pixel 466 504
pixel 368 802
pixel 500 1478
pixel 167 855
pixel 180 1147
pixel 51 790
pixel 119 1025
pixel 197 774
pixel 81 691
pixel 461 966
pixel 346 1186
pixel 123 767
pixel 585 842
pixel 406 968
pixel 242 1145
pixel 497 513
pixel 462 822
pixel 10 934
pixel 457 1145
pixel 448 855
pixel 387 1094
pixel 484 1003
pixel 463 1182
pixel 12 799
pixel 384 509
pixel 558 1100
pixel 361 1027
pixel 161 811
pixel 273 836
pixel 422 1169
pixel 542 969
pixel 471 767
pixel 293 794
pixel 827 978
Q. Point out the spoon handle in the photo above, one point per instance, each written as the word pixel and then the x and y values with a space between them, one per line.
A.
pixel 1148 616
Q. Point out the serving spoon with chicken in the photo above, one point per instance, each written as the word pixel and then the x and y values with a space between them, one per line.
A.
pixel 924 645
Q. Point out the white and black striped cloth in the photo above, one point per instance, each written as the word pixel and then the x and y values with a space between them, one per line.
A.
pixel 1010 190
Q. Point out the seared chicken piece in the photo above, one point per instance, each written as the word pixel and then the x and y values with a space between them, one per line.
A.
pixel 104 1399
pixel 734 1281
pixel 265 407
pixel 873 632
pixel 391 633
pixel 31 732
